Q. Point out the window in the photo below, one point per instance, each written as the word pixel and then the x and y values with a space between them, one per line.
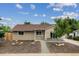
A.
pixel 21 33
pixel 38 33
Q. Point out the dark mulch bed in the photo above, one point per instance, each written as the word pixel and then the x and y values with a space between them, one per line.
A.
pixel 67 48
pixel 26 47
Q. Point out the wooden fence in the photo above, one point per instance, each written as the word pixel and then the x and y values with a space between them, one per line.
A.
pixel 8 36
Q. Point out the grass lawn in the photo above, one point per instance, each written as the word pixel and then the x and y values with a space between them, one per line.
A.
pixel 67 48
pixel 26 47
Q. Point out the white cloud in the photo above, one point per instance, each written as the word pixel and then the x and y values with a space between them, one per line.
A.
pixel 9 19
pixel 54 17
pixel 50 5
pixel 70 4
pixel 25 13
pixel 57 9
pixel 35 14
pixel 71 14
pixel 66 14
pixel 44 15
pixel 40 15
pixel 33 7
pixel 61 5
pixel 3 23
pixel 6 18
pixel 19 6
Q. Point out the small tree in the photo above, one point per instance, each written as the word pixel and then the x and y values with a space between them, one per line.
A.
pixel 1 34
pixel 6 28
pixel 44 23
pixel 65 26
pixel 27 22
pixel 0 18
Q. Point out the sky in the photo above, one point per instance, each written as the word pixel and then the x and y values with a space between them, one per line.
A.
pixel 17 13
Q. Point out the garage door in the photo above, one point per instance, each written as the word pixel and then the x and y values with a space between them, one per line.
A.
pixel 29 35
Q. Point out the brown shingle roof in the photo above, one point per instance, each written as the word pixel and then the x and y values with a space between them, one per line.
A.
pixel 30 27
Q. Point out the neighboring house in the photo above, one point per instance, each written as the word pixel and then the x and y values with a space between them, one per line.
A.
pixel 32 31
pixel 74 33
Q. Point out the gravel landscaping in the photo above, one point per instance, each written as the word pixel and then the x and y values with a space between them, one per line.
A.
pixel 67 48
pixel 24 47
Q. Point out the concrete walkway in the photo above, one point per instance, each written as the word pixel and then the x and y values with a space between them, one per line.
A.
pixel 44 48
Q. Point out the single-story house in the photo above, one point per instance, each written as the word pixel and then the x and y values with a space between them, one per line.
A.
pixel 74 33
pixel 32 31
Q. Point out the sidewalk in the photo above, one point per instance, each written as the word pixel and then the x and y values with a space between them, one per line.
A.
pixel 41 54
pixel 71 41
pixel 44 48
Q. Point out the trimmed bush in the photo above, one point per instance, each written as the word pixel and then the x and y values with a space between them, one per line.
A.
pixel 1 34
pixel 76 38
pixel 69 37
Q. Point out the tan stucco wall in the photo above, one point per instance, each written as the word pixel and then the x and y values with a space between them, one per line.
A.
pixel 47 32
pixel 26 36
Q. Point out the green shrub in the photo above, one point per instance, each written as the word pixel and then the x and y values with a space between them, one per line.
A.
pixel 69 37
pixel 54 35
pixel 1 34
pixel 76 38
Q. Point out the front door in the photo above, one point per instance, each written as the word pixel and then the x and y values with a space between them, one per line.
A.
pixel 51 35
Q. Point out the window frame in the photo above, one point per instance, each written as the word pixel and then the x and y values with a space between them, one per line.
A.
pixel 38 32
pixel 21 33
